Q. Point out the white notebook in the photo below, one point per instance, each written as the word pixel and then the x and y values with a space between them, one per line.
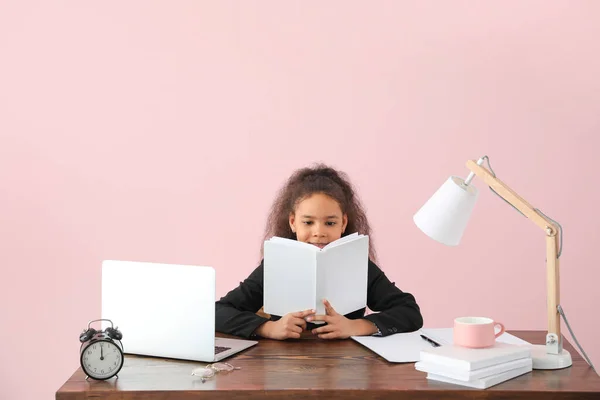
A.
pixel 298 275
pixel 486 382
pixel 453 373
pixel 466 359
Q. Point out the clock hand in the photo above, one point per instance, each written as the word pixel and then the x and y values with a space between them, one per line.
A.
pixel 101 352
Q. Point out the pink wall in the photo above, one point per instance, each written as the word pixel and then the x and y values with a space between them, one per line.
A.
pixel 161 132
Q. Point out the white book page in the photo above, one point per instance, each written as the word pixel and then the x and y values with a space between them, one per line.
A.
pixel 342 240
pixel 398 348
pixel 342 276
pixel 289 278
pixel 292 242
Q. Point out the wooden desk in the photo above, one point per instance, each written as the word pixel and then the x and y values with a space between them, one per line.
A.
pixel 316 368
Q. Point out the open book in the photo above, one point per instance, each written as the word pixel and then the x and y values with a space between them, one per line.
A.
pixel 298 275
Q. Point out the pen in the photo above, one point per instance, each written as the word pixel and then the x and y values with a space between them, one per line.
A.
pixel 433 342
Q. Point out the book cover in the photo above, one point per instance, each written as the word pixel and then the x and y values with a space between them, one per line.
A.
pixel 298 275
pixel 483 383
pixel 467 359
pixel 453 373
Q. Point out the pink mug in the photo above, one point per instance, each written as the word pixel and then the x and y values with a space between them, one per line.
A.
pixel 476 332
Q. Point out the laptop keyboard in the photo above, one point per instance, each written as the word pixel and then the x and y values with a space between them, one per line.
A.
pixel 220 349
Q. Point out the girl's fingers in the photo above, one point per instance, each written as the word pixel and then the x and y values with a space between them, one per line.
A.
pixel 328 307
pixel 330 335
pixel 323 329
pixel 303 314
pixel 293 335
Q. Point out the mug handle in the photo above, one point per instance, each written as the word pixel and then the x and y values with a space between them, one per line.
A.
pixel 501 328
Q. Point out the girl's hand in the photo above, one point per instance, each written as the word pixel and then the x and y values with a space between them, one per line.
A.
pixel 290 326
pixel 340 327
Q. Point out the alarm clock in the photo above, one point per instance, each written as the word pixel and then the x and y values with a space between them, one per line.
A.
pixel 101 352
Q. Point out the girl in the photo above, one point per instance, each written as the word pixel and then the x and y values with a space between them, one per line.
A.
pixel 318 205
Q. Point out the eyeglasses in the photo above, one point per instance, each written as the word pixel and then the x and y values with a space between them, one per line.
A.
pixel 210 370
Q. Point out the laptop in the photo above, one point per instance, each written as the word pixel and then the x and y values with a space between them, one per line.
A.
pixel 165 310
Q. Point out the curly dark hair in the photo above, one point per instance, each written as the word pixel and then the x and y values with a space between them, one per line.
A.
pixel 305 182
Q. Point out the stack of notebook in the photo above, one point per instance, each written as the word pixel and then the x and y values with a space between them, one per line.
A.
pixel 477 368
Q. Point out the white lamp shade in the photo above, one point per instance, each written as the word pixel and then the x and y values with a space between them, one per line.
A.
pixel 445 215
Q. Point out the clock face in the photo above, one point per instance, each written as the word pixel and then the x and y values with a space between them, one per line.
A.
pixel 101 359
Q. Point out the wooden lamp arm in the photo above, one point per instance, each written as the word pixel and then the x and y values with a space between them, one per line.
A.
pixel 513 198
pixel 554 338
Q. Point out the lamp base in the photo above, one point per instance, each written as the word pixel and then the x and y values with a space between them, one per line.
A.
pixel 543 360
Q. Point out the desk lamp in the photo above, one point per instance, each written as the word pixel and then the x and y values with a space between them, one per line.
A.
pixel 444 217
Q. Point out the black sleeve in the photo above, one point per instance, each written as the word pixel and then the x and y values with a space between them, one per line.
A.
pixel 235 313
pixel 398 311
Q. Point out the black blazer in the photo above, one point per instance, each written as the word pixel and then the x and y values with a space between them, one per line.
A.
pixel 397 311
